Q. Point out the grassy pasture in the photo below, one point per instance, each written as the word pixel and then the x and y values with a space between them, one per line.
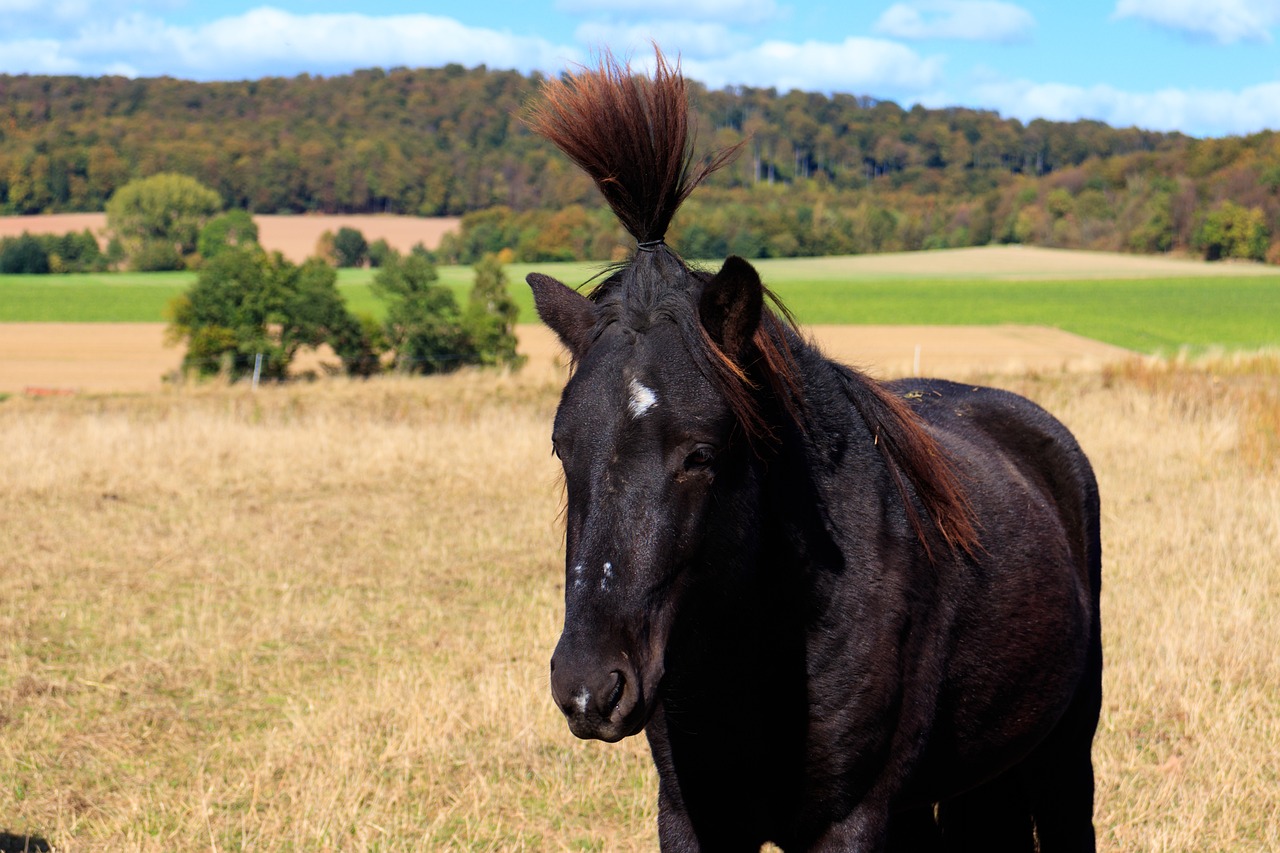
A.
pixel 1162 314
pixel 90 297
pixel 318 617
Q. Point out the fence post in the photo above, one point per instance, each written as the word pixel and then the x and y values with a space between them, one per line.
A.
pixel 257 370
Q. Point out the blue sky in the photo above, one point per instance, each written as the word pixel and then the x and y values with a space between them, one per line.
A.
pixel 1202 67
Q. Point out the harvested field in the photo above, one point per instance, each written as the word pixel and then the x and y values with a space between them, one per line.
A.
pixel 132 357
pixel 1026 263
pixel 956 352
pixel 318 617
pixel 98 357
pixel 294 236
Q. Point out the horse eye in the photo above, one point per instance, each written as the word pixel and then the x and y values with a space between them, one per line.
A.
pixel 700 459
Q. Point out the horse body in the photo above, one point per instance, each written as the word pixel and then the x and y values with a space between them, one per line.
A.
pixel 865 672
pixel 848 615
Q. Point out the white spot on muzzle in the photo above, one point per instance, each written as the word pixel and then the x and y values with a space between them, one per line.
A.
pixel 641 400
pixel 581 700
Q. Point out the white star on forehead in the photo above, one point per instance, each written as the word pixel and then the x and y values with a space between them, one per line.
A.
pixel 641 399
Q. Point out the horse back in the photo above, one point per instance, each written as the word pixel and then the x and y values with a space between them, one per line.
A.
pixel 1005 445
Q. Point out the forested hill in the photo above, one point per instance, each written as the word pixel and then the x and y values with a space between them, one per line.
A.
pixel 449 141
pixel 445 141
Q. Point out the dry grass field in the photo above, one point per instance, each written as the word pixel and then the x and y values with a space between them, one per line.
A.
pixel 318 617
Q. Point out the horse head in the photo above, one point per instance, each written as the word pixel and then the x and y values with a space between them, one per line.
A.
pixel 651 445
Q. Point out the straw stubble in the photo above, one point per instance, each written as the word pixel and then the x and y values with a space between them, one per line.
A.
pixel 319 617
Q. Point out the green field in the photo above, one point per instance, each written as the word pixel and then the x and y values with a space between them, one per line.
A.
pixel 1147 315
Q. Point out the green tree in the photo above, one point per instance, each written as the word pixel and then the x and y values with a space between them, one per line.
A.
pixel 491 315
pixel 233 228
pixel 360 346
pixel 350 248
pixel 481 232
pixel 247 303
pixel 224 316
pixel 379 252
pixel 157 257
pixel 315 313
pixel 25 254
pixel 1234 231
pixel 1155 233
pixel 159 218
pixel 424 326
pixel 75 252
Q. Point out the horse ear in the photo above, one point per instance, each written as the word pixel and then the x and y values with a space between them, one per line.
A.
pixel 731 305
pixel 568 313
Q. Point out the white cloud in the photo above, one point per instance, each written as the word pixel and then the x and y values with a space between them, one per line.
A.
pixel 1199 112
pixel 46 18
pixel 683 39
pixel 347 40
pixel 35 56
pixel 270 41
pixel 966 20
pixel 856 65
pixel 731 12
pixel 1223 21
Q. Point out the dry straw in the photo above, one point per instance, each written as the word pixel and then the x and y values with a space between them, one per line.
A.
pixel 319 617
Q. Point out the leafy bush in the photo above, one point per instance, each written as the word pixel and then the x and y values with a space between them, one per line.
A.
pixel 491 314
pixel 23 255
pixel 233 228
pixel 424 326
pixel 246 303
pixel 157 256
pixel 350 248
pixel 75 252
pixel 51 253
pixel 1234 231
pixel 159 218
pixel 360 346
pixel 379 252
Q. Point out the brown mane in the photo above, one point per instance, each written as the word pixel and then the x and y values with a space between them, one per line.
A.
pixel 631 135
pixel 907 448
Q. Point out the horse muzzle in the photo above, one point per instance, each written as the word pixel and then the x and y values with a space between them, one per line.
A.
pixel 600 700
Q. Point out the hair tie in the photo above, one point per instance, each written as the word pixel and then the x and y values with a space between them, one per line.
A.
pixel 649 245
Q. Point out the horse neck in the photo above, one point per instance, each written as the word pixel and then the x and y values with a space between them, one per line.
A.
pixel 774 551
pixel 827 465
pixel 770 559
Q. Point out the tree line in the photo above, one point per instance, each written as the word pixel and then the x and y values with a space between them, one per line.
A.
pixel 819 174
pixel 250 310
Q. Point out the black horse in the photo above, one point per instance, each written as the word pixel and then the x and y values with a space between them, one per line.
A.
pixel 849 615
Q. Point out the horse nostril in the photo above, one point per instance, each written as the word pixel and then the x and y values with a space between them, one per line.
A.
pixel 615 695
